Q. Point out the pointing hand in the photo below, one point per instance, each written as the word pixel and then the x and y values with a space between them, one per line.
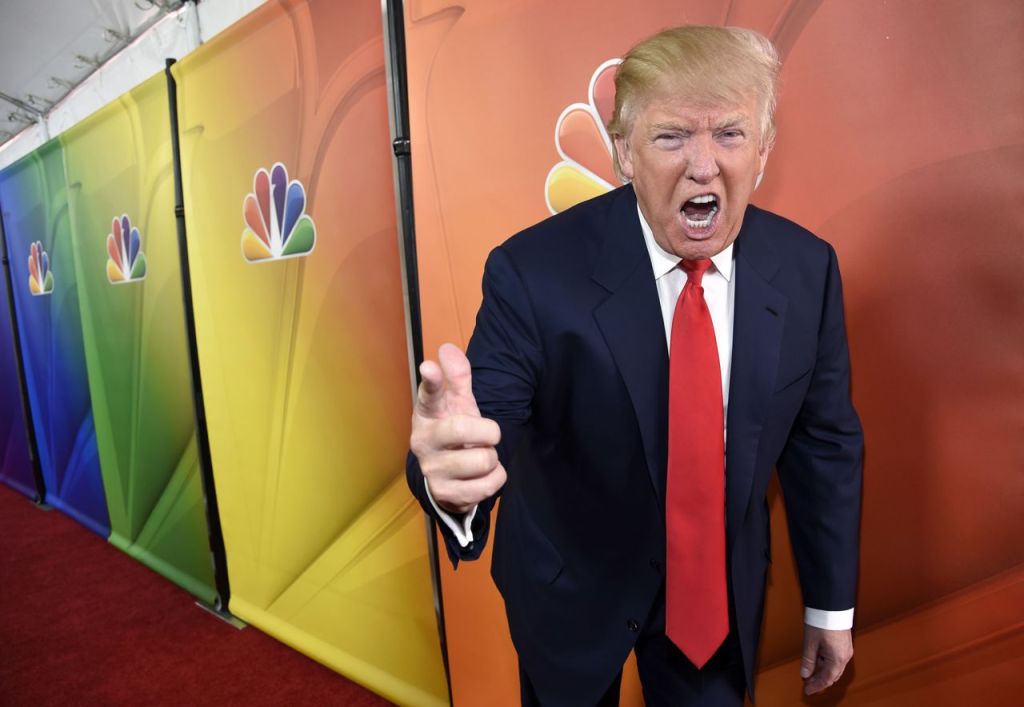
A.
pixel 455 446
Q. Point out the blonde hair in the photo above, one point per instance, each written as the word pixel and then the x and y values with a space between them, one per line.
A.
pixel 713 65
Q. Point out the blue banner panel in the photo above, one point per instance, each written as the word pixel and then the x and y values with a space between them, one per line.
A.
pixel 15 462
pixel 33 197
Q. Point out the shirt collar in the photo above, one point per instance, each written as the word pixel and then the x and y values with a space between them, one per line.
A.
pixel 664 262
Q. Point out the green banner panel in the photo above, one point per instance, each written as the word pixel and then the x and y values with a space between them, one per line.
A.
pixel 121 198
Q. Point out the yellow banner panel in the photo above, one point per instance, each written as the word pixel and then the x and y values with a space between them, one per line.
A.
pixel 297 282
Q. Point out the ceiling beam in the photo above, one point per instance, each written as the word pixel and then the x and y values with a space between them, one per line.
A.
pixel 22 105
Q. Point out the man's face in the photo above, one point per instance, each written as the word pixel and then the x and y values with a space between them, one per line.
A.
pixel 693 167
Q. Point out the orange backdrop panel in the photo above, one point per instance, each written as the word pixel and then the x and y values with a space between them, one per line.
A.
pixel 901 142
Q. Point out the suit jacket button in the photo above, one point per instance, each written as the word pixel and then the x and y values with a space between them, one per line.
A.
pixel 633 625
pixel 656 565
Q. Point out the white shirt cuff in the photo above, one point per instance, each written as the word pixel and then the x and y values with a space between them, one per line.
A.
pixel 463 533
pixel 831 620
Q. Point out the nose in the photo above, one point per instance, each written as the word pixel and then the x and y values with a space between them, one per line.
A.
pixel 701 163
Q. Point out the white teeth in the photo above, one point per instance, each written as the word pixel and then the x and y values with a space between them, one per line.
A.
pixel 704 222
pixel 705 199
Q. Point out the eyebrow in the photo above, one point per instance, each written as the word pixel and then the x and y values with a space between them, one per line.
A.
pixel 729 121
pixel 733 121
pixel 658 127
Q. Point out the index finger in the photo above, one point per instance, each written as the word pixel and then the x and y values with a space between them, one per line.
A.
pixel 430 394
pixel 458 431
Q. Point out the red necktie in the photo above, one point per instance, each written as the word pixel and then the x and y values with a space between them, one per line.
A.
pixel 696 603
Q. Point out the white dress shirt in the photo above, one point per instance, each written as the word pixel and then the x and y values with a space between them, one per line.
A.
pixel 719 284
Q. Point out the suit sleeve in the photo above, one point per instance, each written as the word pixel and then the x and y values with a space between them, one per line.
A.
pixel 505 355
pixel 821 466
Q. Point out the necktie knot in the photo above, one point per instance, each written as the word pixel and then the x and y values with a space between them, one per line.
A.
pixel 695 269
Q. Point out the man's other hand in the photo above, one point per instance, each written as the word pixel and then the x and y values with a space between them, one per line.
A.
pixel 455 446
pixel 825 656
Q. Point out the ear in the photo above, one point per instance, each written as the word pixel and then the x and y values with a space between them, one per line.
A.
pixel 763 158
pixel 624 156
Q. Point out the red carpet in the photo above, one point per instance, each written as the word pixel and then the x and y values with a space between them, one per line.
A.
pixel 83 624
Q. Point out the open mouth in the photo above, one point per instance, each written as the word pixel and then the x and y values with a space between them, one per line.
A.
pixel 700 211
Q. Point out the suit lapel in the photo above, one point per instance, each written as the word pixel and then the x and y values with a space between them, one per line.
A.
pixel 758 319
pixel 630 321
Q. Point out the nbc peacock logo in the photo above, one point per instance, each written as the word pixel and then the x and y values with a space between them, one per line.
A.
pixel 582 141
pixel 126 261
pixel 40 277
pixel 277 225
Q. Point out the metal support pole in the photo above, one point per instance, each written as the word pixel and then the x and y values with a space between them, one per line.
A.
pixel 398 114
pixel 216 536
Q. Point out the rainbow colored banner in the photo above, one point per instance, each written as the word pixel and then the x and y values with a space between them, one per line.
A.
pixel 297 283
pixel 15 461
pixel 33 196
pixel 121 196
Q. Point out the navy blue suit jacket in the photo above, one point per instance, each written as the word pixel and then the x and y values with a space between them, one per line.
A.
pixel 569 357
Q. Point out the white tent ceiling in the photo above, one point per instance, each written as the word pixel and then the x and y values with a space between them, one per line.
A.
pixel 60 60
pixel 47 47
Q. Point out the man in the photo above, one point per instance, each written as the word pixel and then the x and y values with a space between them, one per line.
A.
pixel 639 365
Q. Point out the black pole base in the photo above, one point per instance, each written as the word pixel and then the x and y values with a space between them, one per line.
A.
pixel 222 614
